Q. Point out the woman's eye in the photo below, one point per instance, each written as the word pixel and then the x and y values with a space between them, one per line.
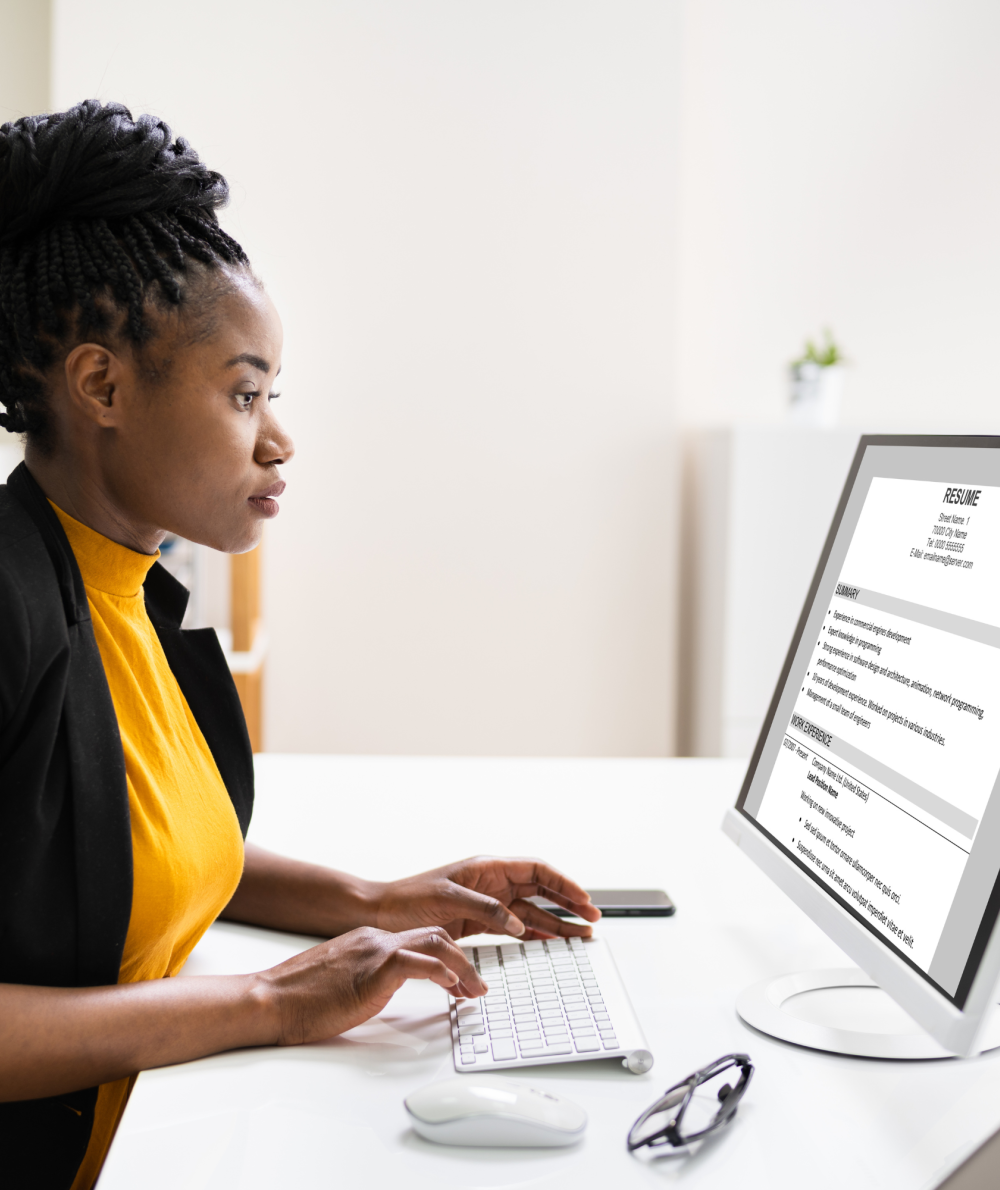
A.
pixel 245 400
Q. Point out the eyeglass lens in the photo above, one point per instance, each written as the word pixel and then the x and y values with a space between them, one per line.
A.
pixel 709 1106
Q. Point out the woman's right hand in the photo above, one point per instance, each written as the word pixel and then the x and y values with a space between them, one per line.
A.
pixel 342 983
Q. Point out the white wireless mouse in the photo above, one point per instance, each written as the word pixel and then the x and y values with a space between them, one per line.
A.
pixel 493 1112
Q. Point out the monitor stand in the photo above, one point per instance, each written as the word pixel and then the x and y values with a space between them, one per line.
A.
pixel 842 1011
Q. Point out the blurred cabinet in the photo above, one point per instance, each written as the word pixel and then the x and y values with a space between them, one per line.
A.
pixel 757 505
pixel 225 595
pixel 249 643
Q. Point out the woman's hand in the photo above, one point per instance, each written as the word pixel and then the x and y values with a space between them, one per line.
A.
pixel 337 985
pixel 56 1040
pixel 481 895
pixel 484 895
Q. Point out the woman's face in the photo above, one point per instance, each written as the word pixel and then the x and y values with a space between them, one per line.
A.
pixel 183 435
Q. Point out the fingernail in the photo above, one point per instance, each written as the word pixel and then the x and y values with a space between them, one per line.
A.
pixel 515 926
pixel 486 986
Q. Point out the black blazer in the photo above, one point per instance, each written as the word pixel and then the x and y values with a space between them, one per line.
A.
pixel 65 835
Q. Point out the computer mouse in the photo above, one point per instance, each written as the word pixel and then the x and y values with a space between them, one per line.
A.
pixel 493 1112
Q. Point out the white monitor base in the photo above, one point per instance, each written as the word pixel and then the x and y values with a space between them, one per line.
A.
pixel 842 1011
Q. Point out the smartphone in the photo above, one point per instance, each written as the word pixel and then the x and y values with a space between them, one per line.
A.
pixel 618 902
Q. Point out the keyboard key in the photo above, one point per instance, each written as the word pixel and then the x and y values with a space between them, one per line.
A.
pixel 586 1045
pixel 482 1047
pixel 506 1032
pixel 531 1047
pixel 469 1010
pixel 468 1059
pixel 558 1048
pixel 550 1014
pixel 534 947
pixel 575 999
pixel 579 1028
pixel 609 1043
pixel 510 948
pixel 471 1030
pixel 504 1051
pixel 523 1014
pixel 575 1013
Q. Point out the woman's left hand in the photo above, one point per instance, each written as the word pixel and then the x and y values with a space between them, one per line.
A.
pixel 484 895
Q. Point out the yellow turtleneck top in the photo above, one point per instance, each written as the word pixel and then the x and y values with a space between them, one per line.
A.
pixel 187 849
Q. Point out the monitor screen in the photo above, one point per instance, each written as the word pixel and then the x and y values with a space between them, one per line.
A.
pixel 877 770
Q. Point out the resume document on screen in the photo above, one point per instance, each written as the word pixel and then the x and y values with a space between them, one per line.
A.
pixel 884 784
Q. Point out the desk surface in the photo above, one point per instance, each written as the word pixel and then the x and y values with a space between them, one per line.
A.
pixel 332 1115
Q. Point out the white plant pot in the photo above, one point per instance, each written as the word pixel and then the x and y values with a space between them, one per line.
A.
pixel 816 394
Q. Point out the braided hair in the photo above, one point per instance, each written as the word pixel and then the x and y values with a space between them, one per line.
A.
pixel 101 219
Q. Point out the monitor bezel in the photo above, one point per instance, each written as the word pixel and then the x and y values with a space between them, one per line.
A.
pixel 955 1026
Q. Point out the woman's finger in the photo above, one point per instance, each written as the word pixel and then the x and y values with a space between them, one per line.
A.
pixel 409 964
pixel 587 911
pixel 467 904
pixel 548 924
pixel 435 942
pixel 532 877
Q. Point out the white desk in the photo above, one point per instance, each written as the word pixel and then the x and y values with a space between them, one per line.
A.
pixel 331 1115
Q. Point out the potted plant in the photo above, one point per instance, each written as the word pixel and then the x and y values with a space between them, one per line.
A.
pixel 817 384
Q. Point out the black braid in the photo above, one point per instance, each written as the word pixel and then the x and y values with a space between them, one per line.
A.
pixel 101 218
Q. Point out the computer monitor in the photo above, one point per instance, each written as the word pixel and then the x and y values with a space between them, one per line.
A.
pixel 873 796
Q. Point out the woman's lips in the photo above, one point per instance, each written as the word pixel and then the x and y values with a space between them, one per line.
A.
pixel 266 501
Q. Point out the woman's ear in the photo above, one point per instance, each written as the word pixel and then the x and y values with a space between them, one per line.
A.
pixel 94 375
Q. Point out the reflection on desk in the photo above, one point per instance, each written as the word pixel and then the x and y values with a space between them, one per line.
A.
pixel 332 1114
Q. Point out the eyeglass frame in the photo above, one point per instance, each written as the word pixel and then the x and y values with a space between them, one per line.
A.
pixel 728 1104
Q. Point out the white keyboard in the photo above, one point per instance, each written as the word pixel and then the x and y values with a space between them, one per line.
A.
pixel 559 1001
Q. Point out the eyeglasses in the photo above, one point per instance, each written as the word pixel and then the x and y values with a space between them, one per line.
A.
pixel 653 1130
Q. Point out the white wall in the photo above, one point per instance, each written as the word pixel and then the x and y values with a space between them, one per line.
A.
pixel 839 166
pixel 464 209
pixel 25 44
pixel 25 40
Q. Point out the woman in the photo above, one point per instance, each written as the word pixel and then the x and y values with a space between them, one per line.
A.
pixel 137 355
